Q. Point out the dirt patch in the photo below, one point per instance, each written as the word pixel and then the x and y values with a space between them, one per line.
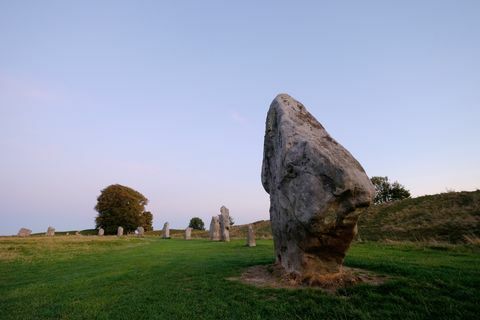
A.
pixel 273 276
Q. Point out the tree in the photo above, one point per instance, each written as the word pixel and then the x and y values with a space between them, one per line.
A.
pixel 119 205
pixel 147 221
pixel 196 223
pixel 386 191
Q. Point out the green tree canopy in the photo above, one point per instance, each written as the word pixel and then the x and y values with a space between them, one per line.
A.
pixel 386 191
pixel 119 205
pixel 196 223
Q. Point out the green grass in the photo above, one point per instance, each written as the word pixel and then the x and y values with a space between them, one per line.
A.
pixel 450 217
pixel 151 278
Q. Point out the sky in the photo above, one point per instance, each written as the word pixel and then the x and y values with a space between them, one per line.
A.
pixel 170 98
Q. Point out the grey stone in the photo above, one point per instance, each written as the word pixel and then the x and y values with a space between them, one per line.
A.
pixel 188 233
pixel 215 229
pixel 50 232
pixel 24 232
pixel 119 232
pixel 316 187
pixel 224 218
pixel 251 242
pixel 140 232
pixel 166 231
pixel 101 232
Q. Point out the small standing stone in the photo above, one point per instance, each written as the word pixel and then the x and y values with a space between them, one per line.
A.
pixel 24 232
pixel 215 229
pixel 251 237
pixel 77 233
pixel 188 233
pixel 119 232
pixel 50 232
pixel 140 231
pixel 101 232
pixel 68 233
pixel 166 231
pixel 224 224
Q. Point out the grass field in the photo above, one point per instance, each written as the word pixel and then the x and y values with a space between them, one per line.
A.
pixel 150 278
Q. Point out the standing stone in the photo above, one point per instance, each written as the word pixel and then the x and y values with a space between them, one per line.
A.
pixel 101 232
pixel 224 218
pixel 140 231
pixel 317 190
pixel 77 233
pixel 119 232
pixel 251 237
pixel 50 232
pixel 188 233
pixel 166 231
pixel 215 229
pixel 24 232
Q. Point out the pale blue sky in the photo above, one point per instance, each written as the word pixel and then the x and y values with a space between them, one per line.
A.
pixel 170 98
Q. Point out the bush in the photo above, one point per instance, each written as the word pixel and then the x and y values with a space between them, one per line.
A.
pixel 196 223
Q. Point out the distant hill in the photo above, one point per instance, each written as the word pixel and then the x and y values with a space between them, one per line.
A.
pixel 452 217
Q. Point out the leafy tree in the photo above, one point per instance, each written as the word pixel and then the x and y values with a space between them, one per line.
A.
pixel 196 223
pixel 386 191
pixel 119 205
pixel 147 221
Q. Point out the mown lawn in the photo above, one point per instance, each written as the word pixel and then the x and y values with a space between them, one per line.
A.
pixel 150 278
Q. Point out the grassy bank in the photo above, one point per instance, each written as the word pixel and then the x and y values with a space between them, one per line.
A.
pixel 150 278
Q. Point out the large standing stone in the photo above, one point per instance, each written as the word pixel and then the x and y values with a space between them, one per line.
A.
pixel 24 232
pixel 215 229
pixel 119 232
pixel 50 232
pixel 166 231
pixel 101 232
pixel 316 189
pixel 251 236
pixel 224 218
pixel 188 233
pixel 140 231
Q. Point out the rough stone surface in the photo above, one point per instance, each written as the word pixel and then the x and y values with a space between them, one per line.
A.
pixel 166 231
pixel 215 229
pixel 24 232
pixel 119 232
pixel 140 231
pixel 188 233
pixel 224 218
pixel 101 232
pixel 316 191
pixel 251 237
pixel 50 232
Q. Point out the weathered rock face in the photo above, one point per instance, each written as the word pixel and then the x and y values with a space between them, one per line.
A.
pixel 316 189
pixel 215 229
pixel 224 218
pixel 24 232
pixel 119 232
pixel 101 232
pixel 140 231
pixel 188 233
pixel 251 237
pixel 166 231
pixel 50 232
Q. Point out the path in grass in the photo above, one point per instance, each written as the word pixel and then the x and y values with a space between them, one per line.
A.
pixel 151 278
